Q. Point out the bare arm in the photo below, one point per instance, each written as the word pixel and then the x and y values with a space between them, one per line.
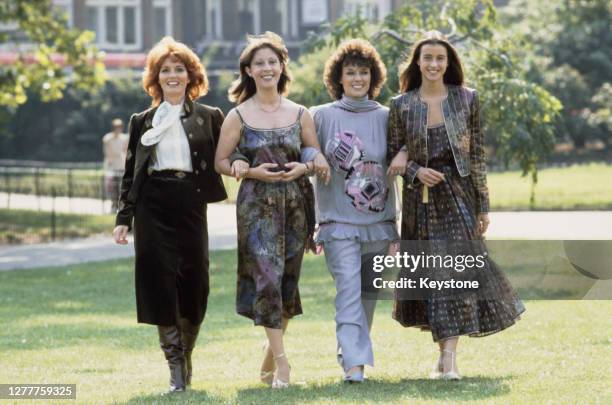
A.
pixel 309 138
pixel 228 140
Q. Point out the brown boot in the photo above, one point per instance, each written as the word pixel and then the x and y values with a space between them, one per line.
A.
pixel 189 335
pixel 170 342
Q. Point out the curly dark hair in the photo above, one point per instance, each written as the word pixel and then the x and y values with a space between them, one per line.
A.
pixel 354 52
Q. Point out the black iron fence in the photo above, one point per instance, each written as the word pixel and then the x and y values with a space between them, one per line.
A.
pixel 48 201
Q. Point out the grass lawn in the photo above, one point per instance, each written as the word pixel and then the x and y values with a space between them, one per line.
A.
pixel 582 187
pixel 77 325
pixel 578 187
pixel 21 226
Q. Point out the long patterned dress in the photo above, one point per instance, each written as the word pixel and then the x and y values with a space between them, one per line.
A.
pixel 450 214
pixel 272 229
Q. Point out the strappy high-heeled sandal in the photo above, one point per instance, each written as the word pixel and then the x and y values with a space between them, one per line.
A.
pixel 277 383
pixel 437 369
pixel 452 374
pixel 266 376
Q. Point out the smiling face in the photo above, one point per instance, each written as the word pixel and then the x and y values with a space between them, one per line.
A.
pixel 265 68
pixel 355 80
pixel 173 78
pixel 433 62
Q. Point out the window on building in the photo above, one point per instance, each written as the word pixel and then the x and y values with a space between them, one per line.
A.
pixel 117 23
pixel 112 25
pixel 274 17
pixel 214 19
pixel 371 10
pixel 162 17
pixel 247 14
pixel 92 19
pixel 64 8
pixel 129 25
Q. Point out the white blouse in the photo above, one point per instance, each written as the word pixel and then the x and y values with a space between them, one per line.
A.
pixel 170 140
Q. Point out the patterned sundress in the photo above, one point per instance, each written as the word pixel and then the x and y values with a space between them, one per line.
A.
pixel 272 229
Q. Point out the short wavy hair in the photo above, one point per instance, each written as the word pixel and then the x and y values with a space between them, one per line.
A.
pixel 168 47
pixel 354 52
pixel 244 87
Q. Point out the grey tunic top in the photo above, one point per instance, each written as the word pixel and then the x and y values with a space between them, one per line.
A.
pixel 359 202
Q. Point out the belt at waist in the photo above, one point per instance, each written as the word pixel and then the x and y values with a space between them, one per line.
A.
pixel 172 174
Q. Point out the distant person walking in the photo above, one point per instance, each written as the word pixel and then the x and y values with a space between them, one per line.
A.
pixel 114 146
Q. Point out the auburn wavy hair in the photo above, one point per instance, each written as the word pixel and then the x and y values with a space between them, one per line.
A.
pixel 244 87
pixel 410 73
pixel 168 47
pixel 354 52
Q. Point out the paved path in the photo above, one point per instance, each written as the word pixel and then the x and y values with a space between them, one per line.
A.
pixel 221 228
pixel 222 234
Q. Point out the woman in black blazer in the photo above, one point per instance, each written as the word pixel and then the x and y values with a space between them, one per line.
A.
pixel 169 177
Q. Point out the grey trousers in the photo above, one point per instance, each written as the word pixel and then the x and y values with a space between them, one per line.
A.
pixel 354 315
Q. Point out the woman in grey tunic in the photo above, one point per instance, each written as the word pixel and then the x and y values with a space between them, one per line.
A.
pixel 356 210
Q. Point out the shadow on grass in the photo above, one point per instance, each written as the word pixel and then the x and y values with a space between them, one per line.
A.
pixel 380 390
pixel 188 397
pixel 374 390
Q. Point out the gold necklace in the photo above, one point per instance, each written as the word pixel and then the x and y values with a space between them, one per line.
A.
pixel 280 99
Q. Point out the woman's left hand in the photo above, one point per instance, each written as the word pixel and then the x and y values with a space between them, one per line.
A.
pixel 398 164
pixel 482 222
pixel 297 170
pixel 321 168
pixel 239 169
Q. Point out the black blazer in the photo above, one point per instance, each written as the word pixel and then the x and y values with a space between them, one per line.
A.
pixel 202 125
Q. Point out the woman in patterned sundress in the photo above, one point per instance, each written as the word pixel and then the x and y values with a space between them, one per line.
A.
pixel 436 143
pixel 275 203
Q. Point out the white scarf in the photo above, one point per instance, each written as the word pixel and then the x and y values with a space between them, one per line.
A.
pixel 165 120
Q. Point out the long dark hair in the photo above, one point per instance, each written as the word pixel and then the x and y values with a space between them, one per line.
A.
pixel 410 74
pixel 244 87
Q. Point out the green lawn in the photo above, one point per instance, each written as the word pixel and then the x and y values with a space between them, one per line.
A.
pixel 580 187
pixel 77 325
pixel 577 187
pixel 27 226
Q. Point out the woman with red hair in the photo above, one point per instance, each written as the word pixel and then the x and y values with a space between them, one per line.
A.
pixel 169 178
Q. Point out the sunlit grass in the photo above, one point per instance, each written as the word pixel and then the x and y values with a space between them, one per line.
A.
pixel 77 325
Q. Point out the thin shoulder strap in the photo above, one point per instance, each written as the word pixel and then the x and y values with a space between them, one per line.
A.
pixel 239 115
pixel 300 112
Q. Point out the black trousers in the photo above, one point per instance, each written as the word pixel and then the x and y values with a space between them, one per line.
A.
pixel 171 243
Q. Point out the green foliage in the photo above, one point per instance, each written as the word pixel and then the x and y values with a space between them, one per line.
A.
pixel 51 40
pixel 602 108
pixel 70 129
pixel 518 114
pixel 567 48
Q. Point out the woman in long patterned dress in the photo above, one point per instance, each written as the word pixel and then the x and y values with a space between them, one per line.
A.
pixel 275 203
pixel 356 210
pixel 436 142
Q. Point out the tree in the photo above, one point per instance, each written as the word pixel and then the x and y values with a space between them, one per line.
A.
pixel 568 50
pixel 519 113
pixel 59 54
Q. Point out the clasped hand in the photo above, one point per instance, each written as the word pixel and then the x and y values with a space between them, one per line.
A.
pixel 265 171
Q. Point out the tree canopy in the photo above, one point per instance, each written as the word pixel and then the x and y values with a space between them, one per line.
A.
pixel 49 55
